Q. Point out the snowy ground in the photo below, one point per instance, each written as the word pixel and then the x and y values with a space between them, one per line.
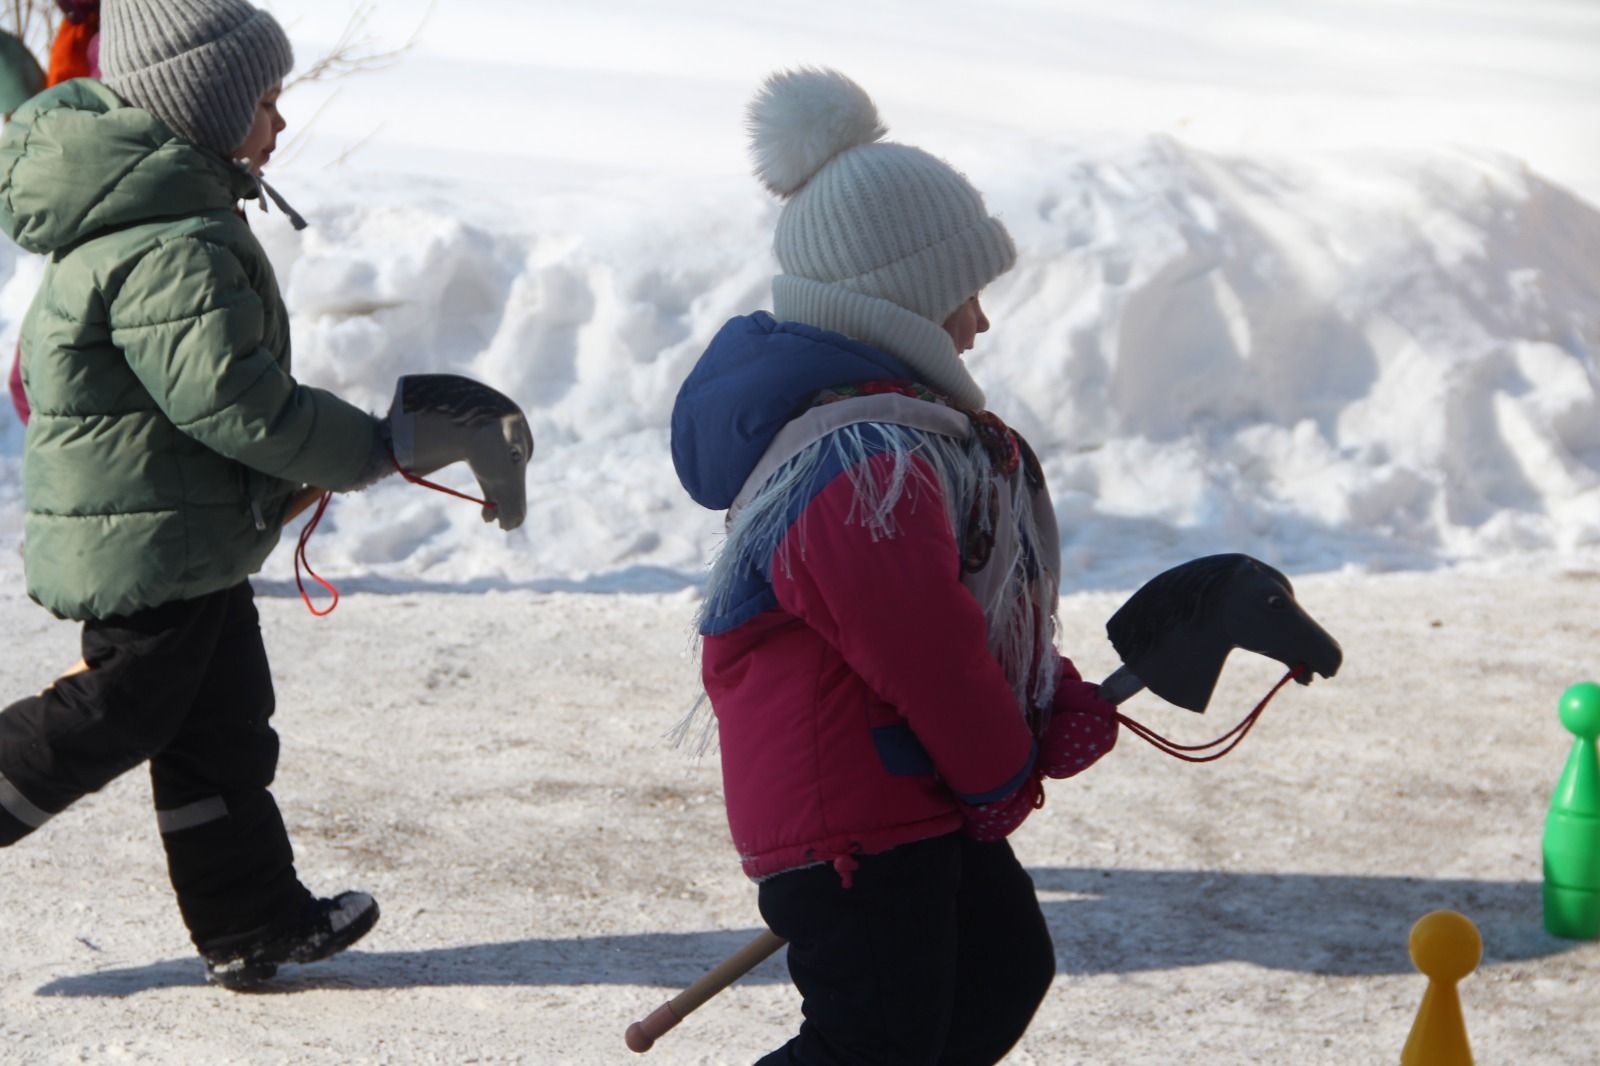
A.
pixel 490 765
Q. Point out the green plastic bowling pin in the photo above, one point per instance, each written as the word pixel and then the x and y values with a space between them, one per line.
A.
pixel 1572 829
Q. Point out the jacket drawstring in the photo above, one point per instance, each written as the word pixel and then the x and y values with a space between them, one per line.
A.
pixel 253 490
pixel 264 192
pixel 294 216
pixel 843 862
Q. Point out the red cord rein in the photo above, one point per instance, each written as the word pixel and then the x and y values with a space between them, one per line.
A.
pixel 425 483
pixel 1231 738
pixel 300 558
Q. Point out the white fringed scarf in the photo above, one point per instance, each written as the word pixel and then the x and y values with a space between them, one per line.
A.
pixel 997 505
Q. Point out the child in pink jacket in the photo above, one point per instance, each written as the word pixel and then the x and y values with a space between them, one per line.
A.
pixel 879 627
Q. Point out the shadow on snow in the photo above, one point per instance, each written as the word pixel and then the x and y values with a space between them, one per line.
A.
pixel 647 580
pixel 1103 921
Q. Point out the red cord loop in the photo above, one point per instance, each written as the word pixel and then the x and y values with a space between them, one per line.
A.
pixel 1231 738
pixel 301 559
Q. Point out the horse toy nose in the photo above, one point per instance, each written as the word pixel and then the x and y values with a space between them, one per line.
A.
pixel 1260 614
pixel 1174 634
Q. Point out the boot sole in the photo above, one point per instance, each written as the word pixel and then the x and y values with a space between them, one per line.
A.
pixel 251 975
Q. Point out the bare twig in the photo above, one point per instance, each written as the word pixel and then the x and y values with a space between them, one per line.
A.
pixel 355 52
pixel 33 22
pixel 345 155
pixel 352 54
pixel 297 143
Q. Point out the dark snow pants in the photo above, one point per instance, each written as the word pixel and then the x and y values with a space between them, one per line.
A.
pixel 185 685
pixel 937 954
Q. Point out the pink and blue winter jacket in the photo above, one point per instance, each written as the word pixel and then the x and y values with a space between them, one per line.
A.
pixel 858 704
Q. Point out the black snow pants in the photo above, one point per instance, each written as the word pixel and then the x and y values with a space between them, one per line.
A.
pixel 185 685
pixel 937 954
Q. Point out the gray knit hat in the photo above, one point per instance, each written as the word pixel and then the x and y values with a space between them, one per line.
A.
pixel 878 241
pixel 200 66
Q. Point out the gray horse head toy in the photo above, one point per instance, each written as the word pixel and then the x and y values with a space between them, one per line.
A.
pixel 1175 632
pixel 439 419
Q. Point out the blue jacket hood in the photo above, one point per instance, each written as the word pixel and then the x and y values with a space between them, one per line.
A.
pixel 756 375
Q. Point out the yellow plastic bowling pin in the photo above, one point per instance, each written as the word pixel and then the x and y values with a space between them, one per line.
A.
pixel 1446 947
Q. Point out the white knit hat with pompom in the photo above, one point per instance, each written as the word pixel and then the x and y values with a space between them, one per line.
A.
pixel 878 241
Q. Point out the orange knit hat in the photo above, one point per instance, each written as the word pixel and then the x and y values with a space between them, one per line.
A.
pixel 70 54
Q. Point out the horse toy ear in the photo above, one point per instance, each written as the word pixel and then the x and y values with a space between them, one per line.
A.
pixel 1174 634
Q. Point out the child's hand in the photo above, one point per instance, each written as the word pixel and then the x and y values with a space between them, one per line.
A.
pixel 998 820
pixel 1082 728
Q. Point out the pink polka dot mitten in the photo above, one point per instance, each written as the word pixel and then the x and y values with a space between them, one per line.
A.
pixel 998 820
pixel 1083 727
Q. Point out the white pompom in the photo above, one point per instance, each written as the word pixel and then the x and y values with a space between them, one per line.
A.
pixel 801 119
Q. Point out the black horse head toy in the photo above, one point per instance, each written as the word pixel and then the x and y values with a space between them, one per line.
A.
pixel 1175 632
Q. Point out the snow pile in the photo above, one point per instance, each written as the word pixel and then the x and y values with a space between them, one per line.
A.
pixel 1370 358
pixel 1264 301
pixel 1364 357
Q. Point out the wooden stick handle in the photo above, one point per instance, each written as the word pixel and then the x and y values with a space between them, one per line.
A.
pixel 643 1034
pixel 726 972
pixel 302 499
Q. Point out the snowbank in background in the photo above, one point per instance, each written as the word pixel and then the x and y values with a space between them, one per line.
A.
pixel 1264 301
pixel 1370 359
pixel 494 90
pixel 1374 359
pixel 1359 358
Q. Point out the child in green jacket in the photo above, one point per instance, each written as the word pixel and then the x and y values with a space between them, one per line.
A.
pixel 166 441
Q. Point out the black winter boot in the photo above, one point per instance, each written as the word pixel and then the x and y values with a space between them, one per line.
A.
pixel 327 927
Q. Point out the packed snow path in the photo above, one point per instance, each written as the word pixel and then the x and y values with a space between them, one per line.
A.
pixel 491 766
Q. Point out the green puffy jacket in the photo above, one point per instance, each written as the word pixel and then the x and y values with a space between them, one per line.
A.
pixel 167 434
pixel 20 76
